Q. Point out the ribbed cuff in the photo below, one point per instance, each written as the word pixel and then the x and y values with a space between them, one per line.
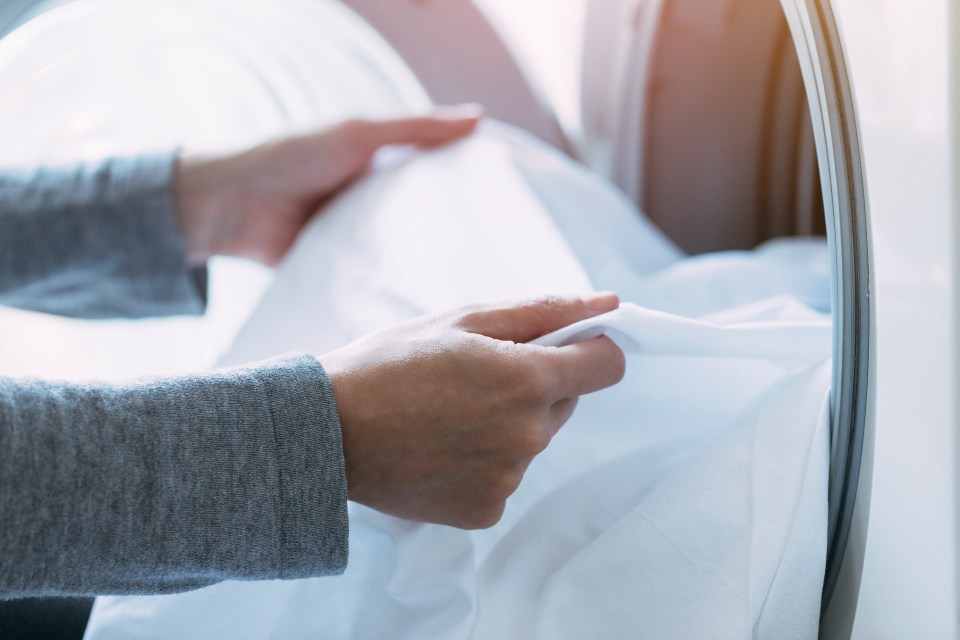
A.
pixel 312 485
pixel 143 192
pixel 98 240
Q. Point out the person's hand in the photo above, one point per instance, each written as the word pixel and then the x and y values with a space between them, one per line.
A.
pixel 253 204
pixel 441 415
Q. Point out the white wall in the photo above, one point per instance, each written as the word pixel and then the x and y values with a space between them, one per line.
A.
pixel 898 53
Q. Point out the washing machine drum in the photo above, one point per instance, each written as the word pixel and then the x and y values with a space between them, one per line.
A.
pixel 729 155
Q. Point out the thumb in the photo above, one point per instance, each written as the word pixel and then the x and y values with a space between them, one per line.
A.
pixel 531 319
pixel 440 127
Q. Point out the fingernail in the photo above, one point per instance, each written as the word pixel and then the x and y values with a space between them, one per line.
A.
pixel 601 301
pixel 468 111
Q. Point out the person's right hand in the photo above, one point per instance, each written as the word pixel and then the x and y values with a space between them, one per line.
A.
pixel 442 415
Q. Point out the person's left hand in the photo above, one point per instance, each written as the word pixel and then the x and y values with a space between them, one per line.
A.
pixel 253 204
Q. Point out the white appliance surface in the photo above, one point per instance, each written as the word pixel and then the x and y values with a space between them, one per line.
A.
pixel 898 57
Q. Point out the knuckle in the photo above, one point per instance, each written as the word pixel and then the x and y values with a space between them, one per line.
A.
pixel 532 441
pixel 487 509
pixel 459 520
pixel 552 302
pixel 480 517
pixel 550 306
pixel 489 516
pixel 508 483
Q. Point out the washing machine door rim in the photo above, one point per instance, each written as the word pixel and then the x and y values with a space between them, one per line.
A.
pixel 819 41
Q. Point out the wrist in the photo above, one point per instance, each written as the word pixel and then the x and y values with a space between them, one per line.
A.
pixel 339 381
pixel 201 196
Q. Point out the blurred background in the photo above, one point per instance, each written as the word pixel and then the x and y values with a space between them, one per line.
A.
pixel 94 78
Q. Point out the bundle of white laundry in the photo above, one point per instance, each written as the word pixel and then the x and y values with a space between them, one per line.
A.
pixel 687 502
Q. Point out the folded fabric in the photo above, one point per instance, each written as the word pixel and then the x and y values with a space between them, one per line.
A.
pixel 689 501
pixel 655 333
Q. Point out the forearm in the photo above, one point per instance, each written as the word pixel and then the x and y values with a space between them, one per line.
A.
pixel 96 241
pixel 173 484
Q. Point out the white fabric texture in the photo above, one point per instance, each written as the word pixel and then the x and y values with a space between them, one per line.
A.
pixel 687 502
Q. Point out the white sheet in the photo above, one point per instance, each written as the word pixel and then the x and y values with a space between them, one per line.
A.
pixel 687 502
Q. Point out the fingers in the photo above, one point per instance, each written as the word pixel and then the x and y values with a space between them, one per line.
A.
pixel 442 126
pixel 584 367
pixel 529 320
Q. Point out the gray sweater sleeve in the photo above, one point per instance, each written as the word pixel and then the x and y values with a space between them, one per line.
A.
pixel 173 484
pixel 95 241
pixel 160 485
